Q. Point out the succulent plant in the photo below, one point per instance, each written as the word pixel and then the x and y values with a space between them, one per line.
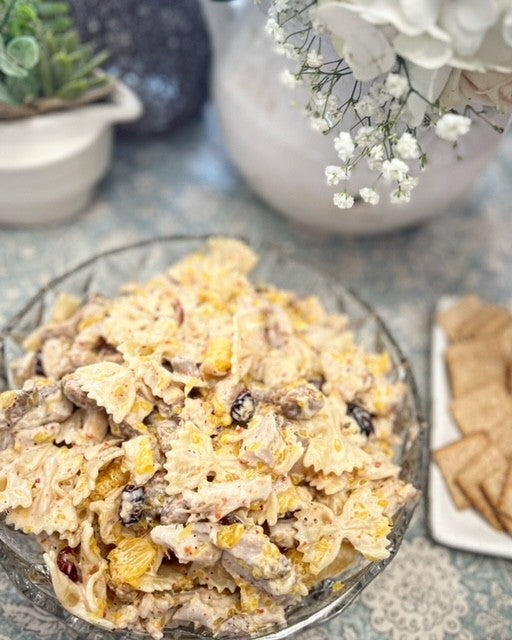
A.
pixel 42 57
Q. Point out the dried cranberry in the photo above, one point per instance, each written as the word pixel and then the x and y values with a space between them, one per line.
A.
pixel 362 417
pixel 195 393
pixel 243 408
pixel 132 504
pixel 66 561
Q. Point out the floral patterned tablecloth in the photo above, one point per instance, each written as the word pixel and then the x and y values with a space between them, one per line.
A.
pixel 186 184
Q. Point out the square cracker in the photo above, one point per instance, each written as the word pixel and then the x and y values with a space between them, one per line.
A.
pixel 480 409
pixel 472 476
pixel 505 502
pixel 467 374
pixel 505 338
pixel 484 322
pixel 453 457
pixel 492 486
pixel 471 349
pixel 462 310
pixel 501 436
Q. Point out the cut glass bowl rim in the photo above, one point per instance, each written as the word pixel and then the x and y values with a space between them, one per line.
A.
pixel 360 580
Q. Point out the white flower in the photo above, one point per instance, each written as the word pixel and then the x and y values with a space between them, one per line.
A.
pixel 366 107
pixel 289 79
pixel 408 183
pixel 365 135
pixel 344 146
pixel 396 85
pixel 369 195
pixel 319 124
pixel 407 147
pixel 317 25
pixel 314 59
pixel 451 126
pixel 287 49
pixel 334 174
pixel 323 101
pixel 394 169
pixel 375 158
pixel 281 5
pixel 273 29
pixel 343 200
pixel 400 195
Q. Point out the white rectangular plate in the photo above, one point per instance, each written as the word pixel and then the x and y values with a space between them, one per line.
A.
pixel 459 529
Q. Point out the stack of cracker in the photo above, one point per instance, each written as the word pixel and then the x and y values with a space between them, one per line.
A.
pixel 478 467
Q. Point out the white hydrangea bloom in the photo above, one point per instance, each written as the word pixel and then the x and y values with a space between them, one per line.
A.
pixel 314 59
pixel 274 30
pixel 344 146
pixel 451 126
pixel 289 79
pixel 370 196
pixel 394 169
pixel 343 200
pixel 396 85
pixel 335 174
pixel 407 147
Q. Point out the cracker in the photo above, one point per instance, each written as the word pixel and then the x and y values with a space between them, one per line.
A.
pixel 467 374
pixel 492 487
pixel 509 377
pixel 501 436
pixel 484 322
pixel 453 457
pixel 483 348
pixel 505 502
pixel 505 338
pixel 471 478
pixel 481 408
pixel 453 317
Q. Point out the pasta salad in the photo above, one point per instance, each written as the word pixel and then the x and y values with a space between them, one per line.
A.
pixel 199 449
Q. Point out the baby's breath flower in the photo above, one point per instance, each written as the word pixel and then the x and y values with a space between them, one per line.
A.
pixel 317 25
pixel 451 126
pixel 281 5
pixel 314 59
pixel 400 195
pixel 344 146
pixel 365 135
pixel 289 79
pixel 343 200
pixel 375 157
pixel 366 107
pixel 407 147
pixel 396 85
pixel 394 169
pixel 319 124
pixel 273 29
pixel 334 174
pixel 408 183
pixel 370 196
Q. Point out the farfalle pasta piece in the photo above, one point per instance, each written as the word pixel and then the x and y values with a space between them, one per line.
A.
pixel 362 522
pixel 189 460
pixel 319 536
pixel 110 385
pixel 334 454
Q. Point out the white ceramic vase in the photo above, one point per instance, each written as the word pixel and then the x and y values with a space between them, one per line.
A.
pixel 50 164
pixel 284 160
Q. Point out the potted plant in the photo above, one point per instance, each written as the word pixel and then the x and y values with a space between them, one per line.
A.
pixel 56 113
pixel 399 106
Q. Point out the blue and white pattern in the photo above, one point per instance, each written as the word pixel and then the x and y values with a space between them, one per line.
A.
pixel 186 184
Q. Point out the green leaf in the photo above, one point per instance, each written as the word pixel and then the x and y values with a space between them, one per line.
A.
pixel 24 51
pixel 5 96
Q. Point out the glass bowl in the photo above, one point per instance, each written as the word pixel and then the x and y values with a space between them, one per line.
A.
pixel 21 556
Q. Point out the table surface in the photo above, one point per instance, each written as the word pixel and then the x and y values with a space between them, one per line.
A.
pixel 185 183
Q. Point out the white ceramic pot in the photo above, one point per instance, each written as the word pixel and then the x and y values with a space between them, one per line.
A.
pixel 50 164
pixel 284 160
